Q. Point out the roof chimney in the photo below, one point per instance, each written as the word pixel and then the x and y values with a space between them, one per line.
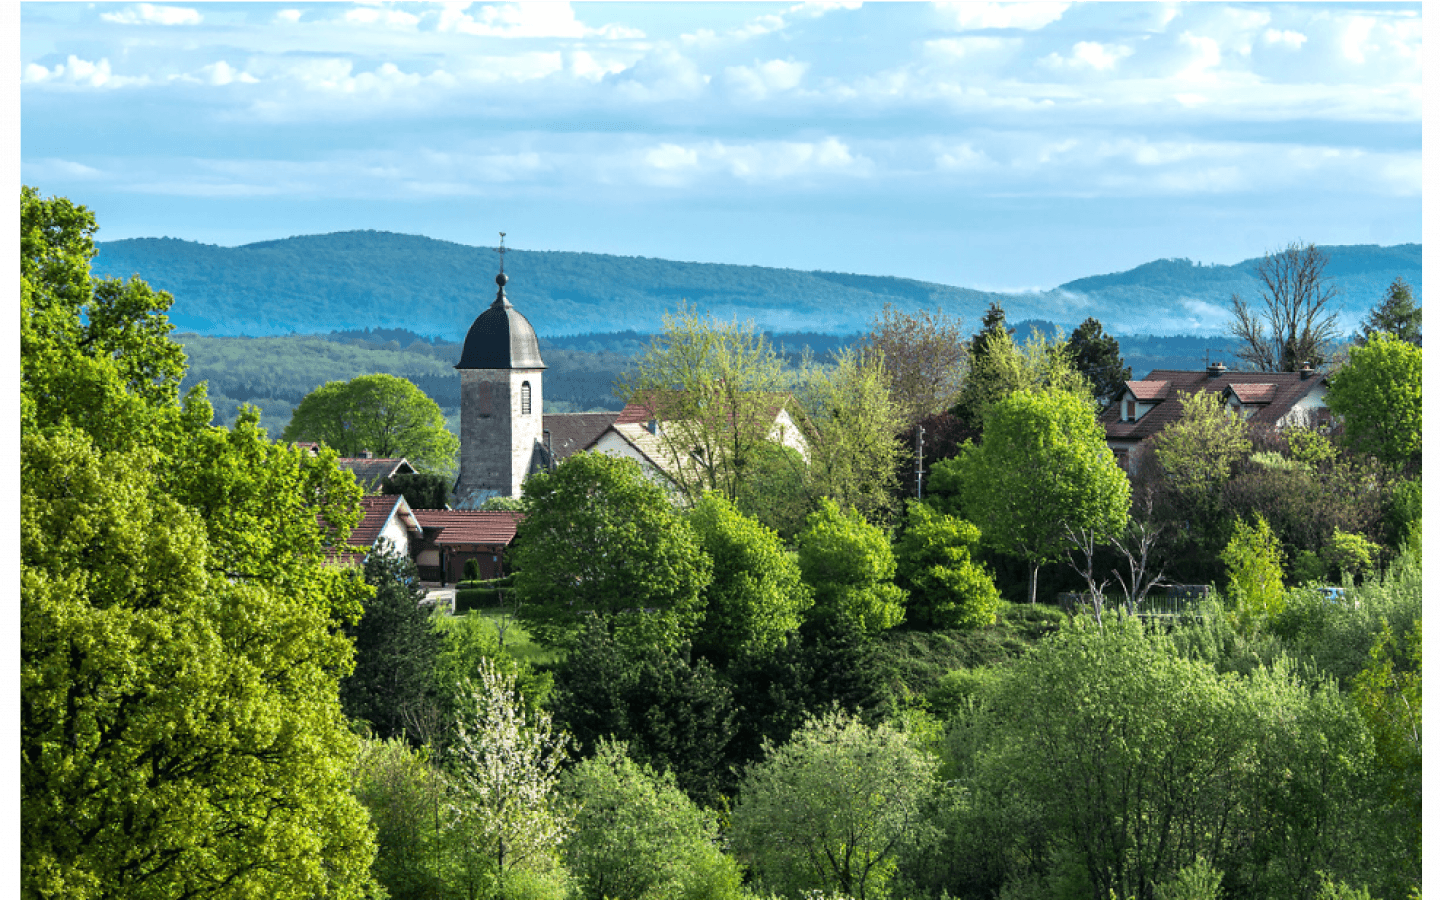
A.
pixel 1305 370
pixel 1216 369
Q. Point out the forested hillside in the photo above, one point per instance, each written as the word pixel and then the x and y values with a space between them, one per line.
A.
pixel 368 279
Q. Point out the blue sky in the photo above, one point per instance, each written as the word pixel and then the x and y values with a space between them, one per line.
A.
pixel 996 146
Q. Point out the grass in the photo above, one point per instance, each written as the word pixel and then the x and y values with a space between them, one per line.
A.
pixel 517 641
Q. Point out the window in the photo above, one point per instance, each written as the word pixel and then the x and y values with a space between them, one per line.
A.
pixel 1129 410
pixel 525 398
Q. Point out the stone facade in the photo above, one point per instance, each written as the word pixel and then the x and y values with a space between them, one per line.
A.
pixel 498 436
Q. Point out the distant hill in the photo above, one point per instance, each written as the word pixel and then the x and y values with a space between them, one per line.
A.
pixel 378 280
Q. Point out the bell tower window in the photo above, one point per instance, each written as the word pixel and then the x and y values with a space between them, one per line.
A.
pixel 525 398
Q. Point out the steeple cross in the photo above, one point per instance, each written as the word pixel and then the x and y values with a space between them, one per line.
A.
pixel 501 251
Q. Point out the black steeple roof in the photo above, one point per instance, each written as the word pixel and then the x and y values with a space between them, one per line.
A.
pixel 501 338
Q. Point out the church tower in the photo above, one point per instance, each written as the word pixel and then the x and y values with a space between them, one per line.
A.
pixel 501 403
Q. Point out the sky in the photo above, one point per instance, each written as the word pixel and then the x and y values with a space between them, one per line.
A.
pixel 986 145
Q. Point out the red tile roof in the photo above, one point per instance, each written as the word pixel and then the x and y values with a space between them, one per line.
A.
pixel 468 526
pixel 1253 393
pixel 573 432
pixel 1148 390
pixel 1286 389
pixel 378 510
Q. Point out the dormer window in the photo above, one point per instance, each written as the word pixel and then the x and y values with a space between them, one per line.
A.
pixel 1129 410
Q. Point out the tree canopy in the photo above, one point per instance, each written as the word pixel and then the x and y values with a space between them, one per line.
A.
pixel 1291 328
pixel 924 359
pixel 1097 356
pixel 1396 314
pixel 180 724
pixel 1041 470
pixel 382 414
pixel 1377 393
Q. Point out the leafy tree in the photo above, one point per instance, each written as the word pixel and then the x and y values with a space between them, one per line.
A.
pixel 849 564
pixel 776 491
pixel 395 649
pixel 1387 693
pixel 599 538
pixel 423 490
pixel 923 355
pixel 1198 450
pixel 1377 393
pixel 1396 315
pixel 1291 328
pixel 1252 561
pixel 505 764
pixel 180 645
pixel 948 588
pixel 1041 471
pixel 1097 357
pixel 757 597
pixel 714 387
pixel 831 808
pixel 637 836
pixel 854 453
pixel 675 715
pixel 385 415
pixel 1006 367
pixel 407 798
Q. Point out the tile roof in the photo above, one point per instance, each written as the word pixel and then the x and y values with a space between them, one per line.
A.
pixel 469 526
pixel 1148 390
pixel 573 432
pixel 378 512
pixel 371 472
pixel 1288 389
pixel 1253 393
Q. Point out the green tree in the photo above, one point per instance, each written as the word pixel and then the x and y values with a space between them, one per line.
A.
pixel 599 538
pixel 1041 471
pixel 1097 357
pixel 1291 328
pixel 935 563
pixel 395 649
pixel 923 357
pixel 757 597
pixel 385 415
pixel 1377 394
pixel 1387 693
pixel 423 490
pixel 1040 364
pixel 715 388
pixel 1199 450
pixel 831 808
pixel 1396 315
pixel 854 450
pixel 636 835
pixel 407 798
pixel 1252 562
pixel 776 491
pixel 850 565
pixel 180 724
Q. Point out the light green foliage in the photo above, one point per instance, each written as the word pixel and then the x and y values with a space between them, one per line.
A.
pixel 407 798
pixel 1352 554
pixel 1252 562
pixel 1387 692
pixel 831 809
pixel 1310 448
pixel 934 558
pixel 465 640
pixel 716 388
pixel 757 597
pixel 600 538
pixel 505 762
pixel 850 565
pixel 385 415
pixel 1198 881
pixel 1377 394
pixel 180 728
pixel 1198 450
pixel 1005 367
pixel 777 491
pixel 1041 470
pixel 854 454
pixel 638 837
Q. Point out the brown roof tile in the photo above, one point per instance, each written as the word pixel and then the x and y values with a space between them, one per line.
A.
pixel 1288 389
pixel 1148 390
pixel 1253 393
pixel 372 472
pixel 469 526
pixel 573 432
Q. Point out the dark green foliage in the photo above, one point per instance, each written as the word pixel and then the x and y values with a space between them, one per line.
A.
pixel 467 599
pixel 422 490
pixel 395 649
pixel 1402 517
pixel 1097 356
pixel 472 570
pixel 776 490
pixel 674 714
pixel 1397 314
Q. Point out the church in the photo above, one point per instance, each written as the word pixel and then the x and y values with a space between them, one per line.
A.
pixel 505 435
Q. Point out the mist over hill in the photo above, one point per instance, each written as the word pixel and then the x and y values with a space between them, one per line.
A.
pixel 371 279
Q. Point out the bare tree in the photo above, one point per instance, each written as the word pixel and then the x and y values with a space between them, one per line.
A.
pixel 1135 544
pixel 1290 328
pixel 1083 542
pixel 924 358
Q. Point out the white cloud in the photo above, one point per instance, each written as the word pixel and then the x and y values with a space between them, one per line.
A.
pixel 78 72
pixel 385 18
pixel 762 79
pixel 1204 59
pixel 1091 55
pixel 964 158
pixel 1355 42
pixel 1291 39
pixel 1027 16
pixel 760 162
pixel 525 20
pixel 149 14
pixel 288 16
pixel 222 73
pixel 957 48
pixel 664 74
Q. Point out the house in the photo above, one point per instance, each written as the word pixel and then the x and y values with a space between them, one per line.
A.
pixel 1279 399
pixel 453 536
pixel 372 471
pixel 388 521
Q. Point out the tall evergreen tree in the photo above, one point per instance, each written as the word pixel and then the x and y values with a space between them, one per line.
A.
pixel 1397 314
pixel 1097 357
